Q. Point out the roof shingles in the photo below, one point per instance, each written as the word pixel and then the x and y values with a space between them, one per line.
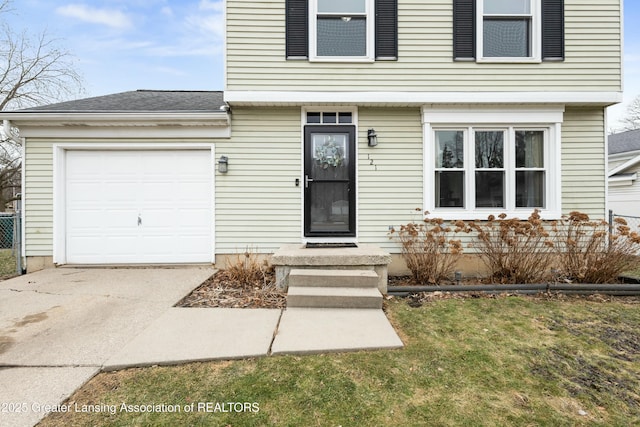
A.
pixel 624 142
pixel 139 101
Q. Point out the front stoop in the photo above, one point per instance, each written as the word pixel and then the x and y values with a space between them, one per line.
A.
pixel 315 288
pixel 363 258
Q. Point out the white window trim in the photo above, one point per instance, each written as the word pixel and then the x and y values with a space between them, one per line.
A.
pixel 536 36
pixel 313 28
pixel 549 119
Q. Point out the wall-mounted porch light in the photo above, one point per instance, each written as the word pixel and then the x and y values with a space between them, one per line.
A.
pixel 223 164
pixel 372 138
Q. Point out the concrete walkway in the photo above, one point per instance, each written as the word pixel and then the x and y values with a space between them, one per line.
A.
pixel 60 327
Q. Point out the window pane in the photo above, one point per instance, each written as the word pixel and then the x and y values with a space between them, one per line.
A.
pixel 313 117
pixel 507 6
pixel 338 6
pixel 330 156
pixel 489 189
pixel 506 38
pixel 530 189
pixel 529 149
pixel 450 149
pixel 344 118
pixel 450 189
pixel 329 118
pixel 342 37
pixel 489 149
pixel 329 206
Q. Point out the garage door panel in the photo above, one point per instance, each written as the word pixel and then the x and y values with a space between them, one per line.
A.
pixel 192 244
pixel 193 218
pixel 119 192
pixel 83 192
pixel 170 191
pixel 191 191
pixel 121 245
pixel 158 192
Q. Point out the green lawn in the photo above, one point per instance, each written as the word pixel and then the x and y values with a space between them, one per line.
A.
pixel 477 362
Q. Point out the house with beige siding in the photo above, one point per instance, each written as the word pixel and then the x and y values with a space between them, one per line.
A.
pixel 624 167
pixel 338 119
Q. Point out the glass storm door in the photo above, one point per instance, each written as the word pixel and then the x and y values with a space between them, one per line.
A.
pixel 329 181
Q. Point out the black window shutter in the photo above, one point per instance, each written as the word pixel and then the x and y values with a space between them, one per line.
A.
pixel 552 30
pixel 464 30
pixel 386 29
pixel 297 28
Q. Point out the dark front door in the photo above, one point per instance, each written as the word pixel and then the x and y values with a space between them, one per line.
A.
pixel 329 181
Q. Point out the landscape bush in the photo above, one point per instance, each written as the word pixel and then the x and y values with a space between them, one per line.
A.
pixel 574 248
pixel 428 249
pixel 514 250
pixel 593 251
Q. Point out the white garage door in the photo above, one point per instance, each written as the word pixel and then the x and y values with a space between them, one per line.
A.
pixel 129 207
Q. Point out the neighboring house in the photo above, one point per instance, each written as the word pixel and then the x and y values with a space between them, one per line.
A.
pixel 339 118
pixel 624 167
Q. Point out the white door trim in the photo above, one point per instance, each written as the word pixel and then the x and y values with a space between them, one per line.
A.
pixel 59 184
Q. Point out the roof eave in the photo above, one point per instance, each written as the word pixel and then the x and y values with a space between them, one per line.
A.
pixel 66 118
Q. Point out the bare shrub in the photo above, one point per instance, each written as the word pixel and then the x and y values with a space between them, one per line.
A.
pixel 427 249
pixel 514 250
pixel 246 269
pixel 591 253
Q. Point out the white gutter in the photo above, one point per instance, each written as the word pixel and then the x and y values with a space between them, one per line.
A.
pixel 6 128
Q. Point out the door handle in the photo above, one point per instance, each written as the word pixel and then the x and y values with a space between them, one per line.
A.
pixel 139 220
pixel 307 180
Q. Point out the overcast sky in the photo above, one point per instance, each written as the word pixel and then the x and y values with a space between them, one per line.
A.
pixel 123 45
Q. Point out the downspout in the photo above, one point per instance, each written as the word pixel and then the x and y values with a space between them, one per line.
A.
pixel 6 128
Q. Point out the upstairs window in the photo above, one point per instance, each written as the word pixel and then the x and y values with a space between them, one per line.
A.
pixel 342 30
pixel 508 28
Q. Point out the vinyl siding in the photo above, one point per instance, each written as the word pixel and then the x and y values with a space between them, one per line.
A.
pixel 256 55
pixel 38 198
pixel 390 174
pixel 259 206
pixel 625 199
pixel 257 203
pixel 583 161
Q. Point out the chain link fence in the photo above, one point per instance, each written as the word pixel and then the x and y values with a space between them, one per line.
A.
pixel 633 222
pixel 10 245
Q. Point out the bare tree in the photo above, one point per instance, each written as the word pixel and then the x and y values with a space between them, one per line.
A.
pixel 632 119
pixel 34 70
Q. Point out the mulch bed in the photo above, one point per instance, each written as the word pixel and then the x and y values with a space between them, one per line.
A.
pixel 220 290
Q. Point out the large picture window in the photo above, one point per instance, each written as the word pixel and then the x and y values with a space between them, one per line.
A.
pixel 475 169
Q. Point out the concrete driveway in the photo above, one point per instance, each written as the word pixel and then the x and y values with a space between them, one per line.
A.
pixel 59 326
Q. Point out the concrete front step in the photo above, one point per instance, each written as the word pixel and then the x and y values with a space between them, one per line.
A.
pixel 333 297
pixel 333 278
pixel 297 256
